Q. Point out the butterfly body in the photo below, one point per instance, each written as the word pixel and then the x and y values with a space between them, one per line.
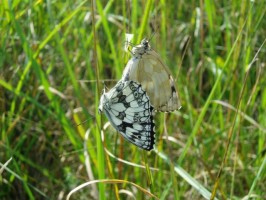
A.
pixel 128 109
pixel 147 68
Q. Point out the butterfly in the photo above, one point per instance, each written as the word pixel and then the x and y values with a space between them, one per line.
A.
pixel 147 68
pixel 128 108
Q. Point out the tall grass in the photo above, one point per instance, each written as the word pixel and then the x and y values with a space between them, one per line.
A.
pixel 53 66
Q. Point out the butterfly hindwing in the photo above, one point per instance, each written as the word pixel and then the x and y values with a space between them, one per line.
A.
pixel 128 108
pixel 147 68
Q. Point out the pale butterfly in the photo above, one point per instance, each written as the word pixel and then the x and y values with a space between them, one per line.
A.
pixel 128 108
pixel 147 68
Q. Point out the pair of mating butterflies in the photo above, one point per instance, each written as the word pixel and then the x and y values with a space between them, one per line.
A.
pixel 146 85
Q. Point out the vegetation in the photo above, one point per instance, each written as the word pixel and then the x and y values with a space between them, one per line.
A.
pixel 54 58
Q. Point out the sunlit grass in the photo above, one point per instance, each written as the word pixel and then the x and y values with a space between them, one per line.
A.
pixel 50 88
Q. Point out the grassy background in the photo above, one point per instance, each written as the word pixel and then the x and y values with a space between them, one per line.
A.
pixel 49 60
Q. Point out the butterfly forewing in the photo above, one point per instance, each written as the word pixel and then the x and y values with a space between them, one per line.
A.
pixel 147 68
pixel 128 108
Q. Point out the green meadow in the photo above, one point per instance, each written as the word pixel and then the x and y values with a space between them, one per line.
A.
pixel 55 59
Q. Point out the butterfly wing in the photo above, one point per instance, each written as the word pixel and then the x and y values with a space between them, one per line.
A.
pixel 128 109
pixel 147 68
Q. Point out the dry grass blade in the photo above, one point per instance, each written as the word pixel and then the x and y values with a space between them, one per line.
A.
pixel 245 116
pixel 110 181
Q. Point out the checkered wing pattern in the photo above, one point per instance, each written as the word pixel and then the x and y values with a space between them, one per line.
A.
pixel 128 108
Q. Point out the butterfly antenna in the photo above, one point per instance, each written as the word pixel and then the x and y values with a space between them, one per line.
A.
pixel 129 37
pixel 128 42
pixel 83 122
pixel 104 87
pixel 152 35
pixel 92 117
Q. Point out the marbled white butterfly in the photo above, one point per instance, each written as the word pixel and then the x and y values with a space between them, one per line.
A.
pixel 128 108
pixel 147 68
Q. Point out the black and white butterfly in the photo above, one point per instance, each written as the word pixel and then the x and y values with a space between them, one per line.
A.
pixel 128 108
pixel 147 68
